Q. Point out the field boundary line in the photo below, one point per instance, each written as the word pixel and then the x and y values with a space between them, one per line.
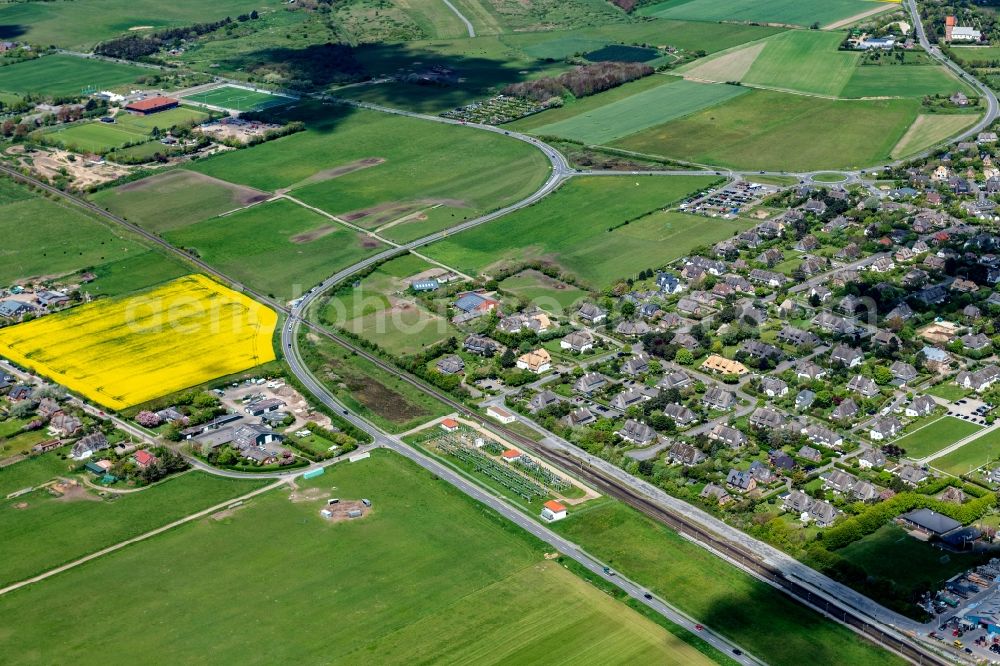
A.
pixel 336 219
pixel 142 537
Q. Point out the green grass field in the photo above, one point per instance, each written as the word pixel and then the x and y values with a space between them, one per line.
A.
pixel 688 35
pixel 57 75
pixel 278 247
pixel 738 606
pixel 775 131
pixel 182 116
pixel 457 595
pixel 51 531
pixel 571 228
pixel 792 12
pixel 929 129
pixel 138 271
pixel 543 291
pixel 175 199
pixel 674 99
pixel 33 472
pixel 948 390
pixel 979 452
pixel 238 99
pixel 805 61
pixel 91 137
pixel 425 163
pixel 901 81
pixel 935 436
pixel 428 220
pixel 83 24
pixel 892 554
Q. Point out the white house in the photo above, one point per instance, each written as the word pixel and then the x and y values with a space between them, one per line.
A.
pixel 553 511
pixel 500 414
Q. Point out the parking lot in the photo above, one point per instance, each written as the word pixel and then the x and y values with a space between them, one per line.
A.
pixel 971 410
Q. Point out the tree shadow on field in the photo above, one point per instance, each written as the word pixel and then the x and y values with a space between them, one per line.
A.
pixel 11 31
pixel 426 77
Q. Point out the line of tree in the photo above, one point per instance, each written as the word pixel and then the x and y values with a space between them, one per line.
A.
pixel 581 81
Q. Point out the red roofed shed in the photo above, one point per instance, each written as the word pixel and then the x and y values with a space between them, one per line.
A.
pixel 152 105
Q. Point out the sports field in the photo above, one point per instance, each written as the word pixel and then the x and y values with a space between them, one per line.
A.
pixel 794 12
pixel 92 137
pixel 428 573
pixel 182 116
pixel 420 164
pixel 50 531
pixel 579 227
pixel 674 99
pixel 56 75
pixel 741 607
pixel 238 99
pixel 279 247
pixel 175 199
pixel 929 129
pixel 83 24
pixel 935 436
pixel 125 351
pixel 780 131
pixel 979 452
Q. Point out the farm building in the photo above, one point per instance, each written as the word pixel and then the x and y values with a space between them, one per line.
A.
pixel 553 511
pixel 151 105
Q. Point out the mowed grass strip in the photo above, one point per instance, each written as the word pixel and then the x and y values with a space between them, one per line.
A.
pixel 673 99
pixel 427 574
pixel 792 12
pixel 121 352
pixel 278 247
pixel 579 227
pixel 51 531
pixel 742 608
pixel 935 436
pixel 92 137
pixel 929 129
pixel 979 452
pixel 175 199
pixel 63 75
pixel 781 131
pixel 804 61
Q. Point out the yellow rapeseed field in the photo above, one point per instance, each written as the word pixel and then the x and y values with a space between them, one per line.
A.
pixel 125 351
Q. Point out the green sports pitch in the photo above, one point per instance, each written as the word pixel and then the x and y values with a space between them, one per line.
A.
pixel 238 99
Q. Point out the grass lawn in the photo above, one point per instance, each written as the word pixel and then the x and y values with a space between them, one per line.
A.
pixel 58 75
pixel 52 531
pixel 54 238
pixel 827 177
pixel 137 271
pixel 439 575
pixel 773 130
pixel 34 471
pixel 83 24
pixel 935 436
pixel 14 444
pixel 425 222
pixel 278 247
pixel 238 99
pixel 425 163
pixel 181 116
pixel 901 81
pixel 384 399
pixel 977 453
pixel 892 554
pixel 571 228
pixel 175 199
pixel 378 311
pixel 545 292
pixel 687 35
pixel 92 137
pixel 929 129
pixel 674 99
pixel 804 61
pixel 731 602
pixel 949 391
pixel 792 12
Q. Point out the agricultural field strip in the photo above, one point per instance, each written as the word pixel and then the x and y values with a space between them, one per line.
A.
pixel 142 537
